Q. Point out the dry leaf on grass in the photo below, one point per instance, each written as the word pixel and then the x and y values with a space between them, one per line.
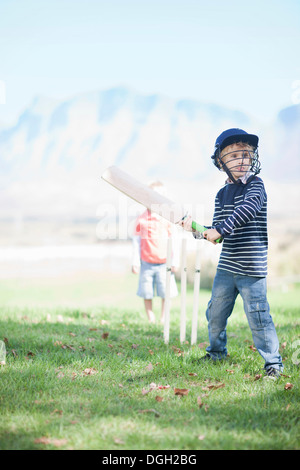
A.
pixel 178 351
pixel 118 441
pixel 181 391
pixel 288 386
pixel 257 377
pixel 153 386
pixel 49 440
pixel 89 371
pixel 56 411
pixel 201 404
pixel 213 386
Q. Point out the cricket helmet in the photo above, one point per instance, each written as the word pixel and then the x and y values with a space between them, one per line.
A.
pixel 232 136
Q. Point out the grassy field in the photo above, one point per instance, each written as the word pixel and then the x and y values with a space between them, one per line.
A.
pixel 84 370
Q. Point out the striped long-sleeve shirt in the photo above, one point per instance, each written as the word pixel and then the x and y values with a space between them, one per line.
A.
pixel 241 218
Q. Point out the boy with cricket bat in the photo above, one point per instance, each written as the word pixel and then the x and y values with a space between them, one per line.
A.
pixel 240 218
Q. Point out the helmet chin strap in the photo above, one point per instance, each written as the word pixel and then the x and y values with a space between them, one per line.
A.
pixel 229 174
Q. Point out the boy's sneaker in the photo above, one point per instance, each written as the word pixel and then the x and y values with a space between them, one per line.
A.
pixel 205 358
pixel 272 374
pixel 208 358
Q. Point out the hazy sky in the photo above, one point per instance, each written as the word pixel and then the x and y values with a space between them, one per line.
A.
pixel 241 54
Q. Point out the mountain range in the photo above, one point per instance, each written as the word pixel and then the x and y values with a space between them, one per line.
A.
pixel 53 157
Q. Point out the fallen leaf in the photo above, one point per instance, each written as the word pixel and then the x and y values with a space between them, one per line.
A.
pixel 47 440
pixel 200 402
pixel 178 351
pixel 288 386
pixel 257 377
pixel 158 398
pixel 42 440
pixel 118 441
pixel 213 386
pixel 193 374
pixel 253 348
pixel 134 346
pixel 181 391
pixel 60 412
pixel 104 335
pixel 149 367
pixel 89 371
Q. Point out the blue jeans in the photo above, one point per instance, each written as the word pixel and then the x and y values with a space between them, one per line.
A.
pixel 253 291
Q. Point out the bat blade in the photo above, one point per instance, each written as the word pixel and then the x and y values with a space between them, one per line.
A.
pixel 144 195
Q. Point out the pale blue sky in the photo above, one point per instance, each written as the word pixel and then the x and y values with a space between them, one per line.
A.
pixel 240 54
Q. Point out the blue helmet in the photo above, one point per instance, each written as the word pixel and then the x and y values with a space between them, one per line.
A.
pixel 234 135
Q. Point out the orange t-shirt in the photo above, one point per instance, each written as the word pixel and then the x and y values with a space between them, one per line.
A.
pixel 154 232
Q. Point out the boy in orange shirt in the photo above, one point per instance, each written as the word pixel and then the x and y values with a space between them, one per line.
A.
pixel 149 258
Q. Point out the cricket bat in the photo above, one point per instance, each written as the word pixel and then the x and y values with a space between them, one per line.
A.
pixel 146 196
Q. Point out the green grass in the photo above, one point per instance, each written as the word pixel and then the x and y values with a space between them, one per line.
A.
pixel 80 357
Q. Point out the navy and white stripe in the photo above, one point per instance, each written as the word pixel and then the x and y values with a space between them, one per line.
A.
pixel 241 218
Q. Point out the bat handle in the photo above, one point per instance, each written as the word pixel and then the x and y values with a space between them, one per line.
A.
pixel 201 229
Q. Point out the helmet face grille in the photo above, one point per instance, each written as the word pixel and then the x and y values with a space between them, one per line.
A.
pixel 243 161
